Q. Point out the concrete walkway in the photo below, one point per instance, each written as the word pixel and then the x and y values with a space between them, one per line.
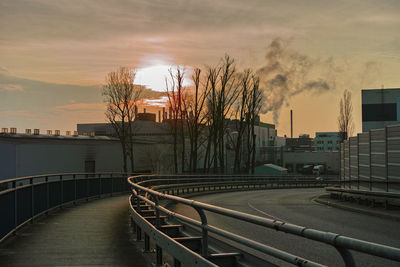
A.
pixel 96 233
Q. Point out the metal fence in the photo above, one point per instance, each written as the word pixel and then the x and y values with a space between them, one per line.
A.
pixel 371 161
pixel 23 199
pixel 146 210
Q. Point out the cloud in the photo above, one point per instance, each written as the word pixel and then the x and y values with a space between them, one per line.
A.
pixel 3 70
pixel 82 106
pixel 11 87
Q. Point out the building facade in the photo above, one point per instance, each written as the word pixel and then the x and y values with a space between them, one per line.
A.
pixel 380 108
pixel 327 141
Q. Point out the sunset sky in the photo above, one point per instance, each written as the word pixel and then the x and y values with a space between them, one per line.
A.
pixel 54 55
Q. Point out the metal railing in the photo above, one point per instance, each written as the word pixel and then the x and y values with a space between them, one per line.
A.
pixel 25 198
pixel 148 191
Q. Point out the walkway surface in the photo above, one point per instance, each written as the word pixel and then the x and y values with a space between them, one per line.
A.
pixel 96 233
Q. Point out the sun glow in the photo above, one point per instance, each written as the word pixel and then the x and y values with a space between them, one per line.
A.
pixel 153 75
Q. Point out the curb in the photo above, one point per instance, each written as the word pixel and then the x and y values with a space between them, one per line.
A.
pixel 354 209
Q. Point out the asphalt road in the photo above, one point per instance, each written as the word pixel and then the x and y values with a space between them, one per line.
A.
pixel 296 206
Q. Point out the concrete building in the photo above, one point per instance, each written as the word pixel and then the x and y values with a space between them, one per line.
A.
pixel 327 141
pixel 34 154
pixel 380 107
pixel 302 143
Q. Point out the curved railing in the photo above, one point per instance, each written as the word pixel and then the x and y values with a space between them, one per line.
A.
pixel 25 198
pixel 149 191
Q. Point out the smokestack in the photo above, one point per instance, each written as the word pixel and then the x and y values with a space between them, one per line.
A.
pixel 159 116
pixel 291 123
pixel 144 110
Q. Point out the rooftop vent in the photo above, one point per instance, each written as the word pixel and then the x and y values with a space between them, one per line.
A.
pixel 49 132
pixel 75 133
pixel 92 134
pixel 36 131
pixel 4 130
pixel 13 130
pixel 68 133
pixel 28 131
pixel 57 132
pixel 84 133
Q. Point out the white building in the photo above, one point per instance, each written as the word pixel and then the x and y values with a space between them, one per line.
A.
pixel 327 141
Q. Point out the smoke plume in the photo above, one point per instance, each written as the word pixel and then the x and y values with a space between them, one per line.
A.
pixel 288 73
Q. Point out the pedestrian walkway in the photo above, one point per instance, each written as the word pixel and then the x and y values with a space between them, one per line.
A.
pixel 96 233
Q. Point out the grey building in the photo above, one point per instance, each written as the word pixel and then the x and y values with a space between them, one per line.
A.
pixel 380 107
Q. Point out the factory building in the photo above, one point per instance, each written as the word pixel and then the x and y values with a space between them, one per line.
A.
pixel 380 108
pixel 327 141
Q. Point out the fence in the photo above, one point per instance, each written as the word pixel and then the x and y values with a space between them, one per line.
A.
pixel 371 161
pixel 23 199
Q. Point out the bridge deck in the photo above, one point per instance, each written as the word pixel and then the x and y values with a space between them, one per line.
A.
pixel 95 233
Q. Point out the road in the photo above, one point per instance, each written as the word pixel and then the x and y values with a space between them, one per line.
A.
pixel 296 206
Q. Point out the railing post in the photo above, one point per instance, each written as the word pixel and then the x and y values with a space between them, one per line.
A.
pixel 204 224
pixel 158 256
pixel 87 187
pixel 177 263
pixel 346 256
pixel 146 243
pixel 32 199
pixel 14 184
pixel 47 194
pixel 75 195
pixel 112 184
pixel 156 202
pixel 100 187
pixel 62 192
pixel 138 233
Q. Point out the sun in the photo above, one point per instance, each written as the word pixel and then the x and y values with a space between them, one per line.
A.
pixel 154 73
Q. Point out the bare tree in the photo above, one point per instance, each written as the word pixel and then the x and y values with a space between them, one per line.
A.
pixel 174 88
pixel 194 106
pixel 121 95
pixel 345 118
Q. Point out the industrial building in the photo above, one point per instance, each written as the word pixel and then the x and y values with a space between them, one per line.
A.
pixel 380 107
pixel 300 144
pixel 327 141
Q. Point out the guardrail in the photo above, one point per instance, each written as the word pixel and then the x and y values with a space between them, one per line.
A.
pixel 149 191
pixel 25 198
pixel 372 196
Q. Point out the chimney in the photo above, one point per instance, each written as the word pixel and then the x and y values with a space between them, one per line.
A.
pixel 49 132
pixel 67 133
pixel 291 123
pixel 159 116
pixel 36 131
pixel 84 133
pixel 28 131
pixel 92 134
pixel 57 132
pixel 4 130
pixel 13 130
pixel 76 133
pixel 144 110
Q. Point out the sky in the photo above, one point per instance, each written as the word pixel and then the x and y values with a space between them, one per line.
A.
pixel 55 54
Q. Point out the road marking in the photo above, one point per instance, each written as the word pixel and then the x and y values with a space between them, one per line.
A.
pixel 266 214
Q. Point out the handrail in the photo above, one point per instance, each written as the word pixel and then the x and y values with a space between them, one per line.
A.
pixel 342 243
pixel 51 192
